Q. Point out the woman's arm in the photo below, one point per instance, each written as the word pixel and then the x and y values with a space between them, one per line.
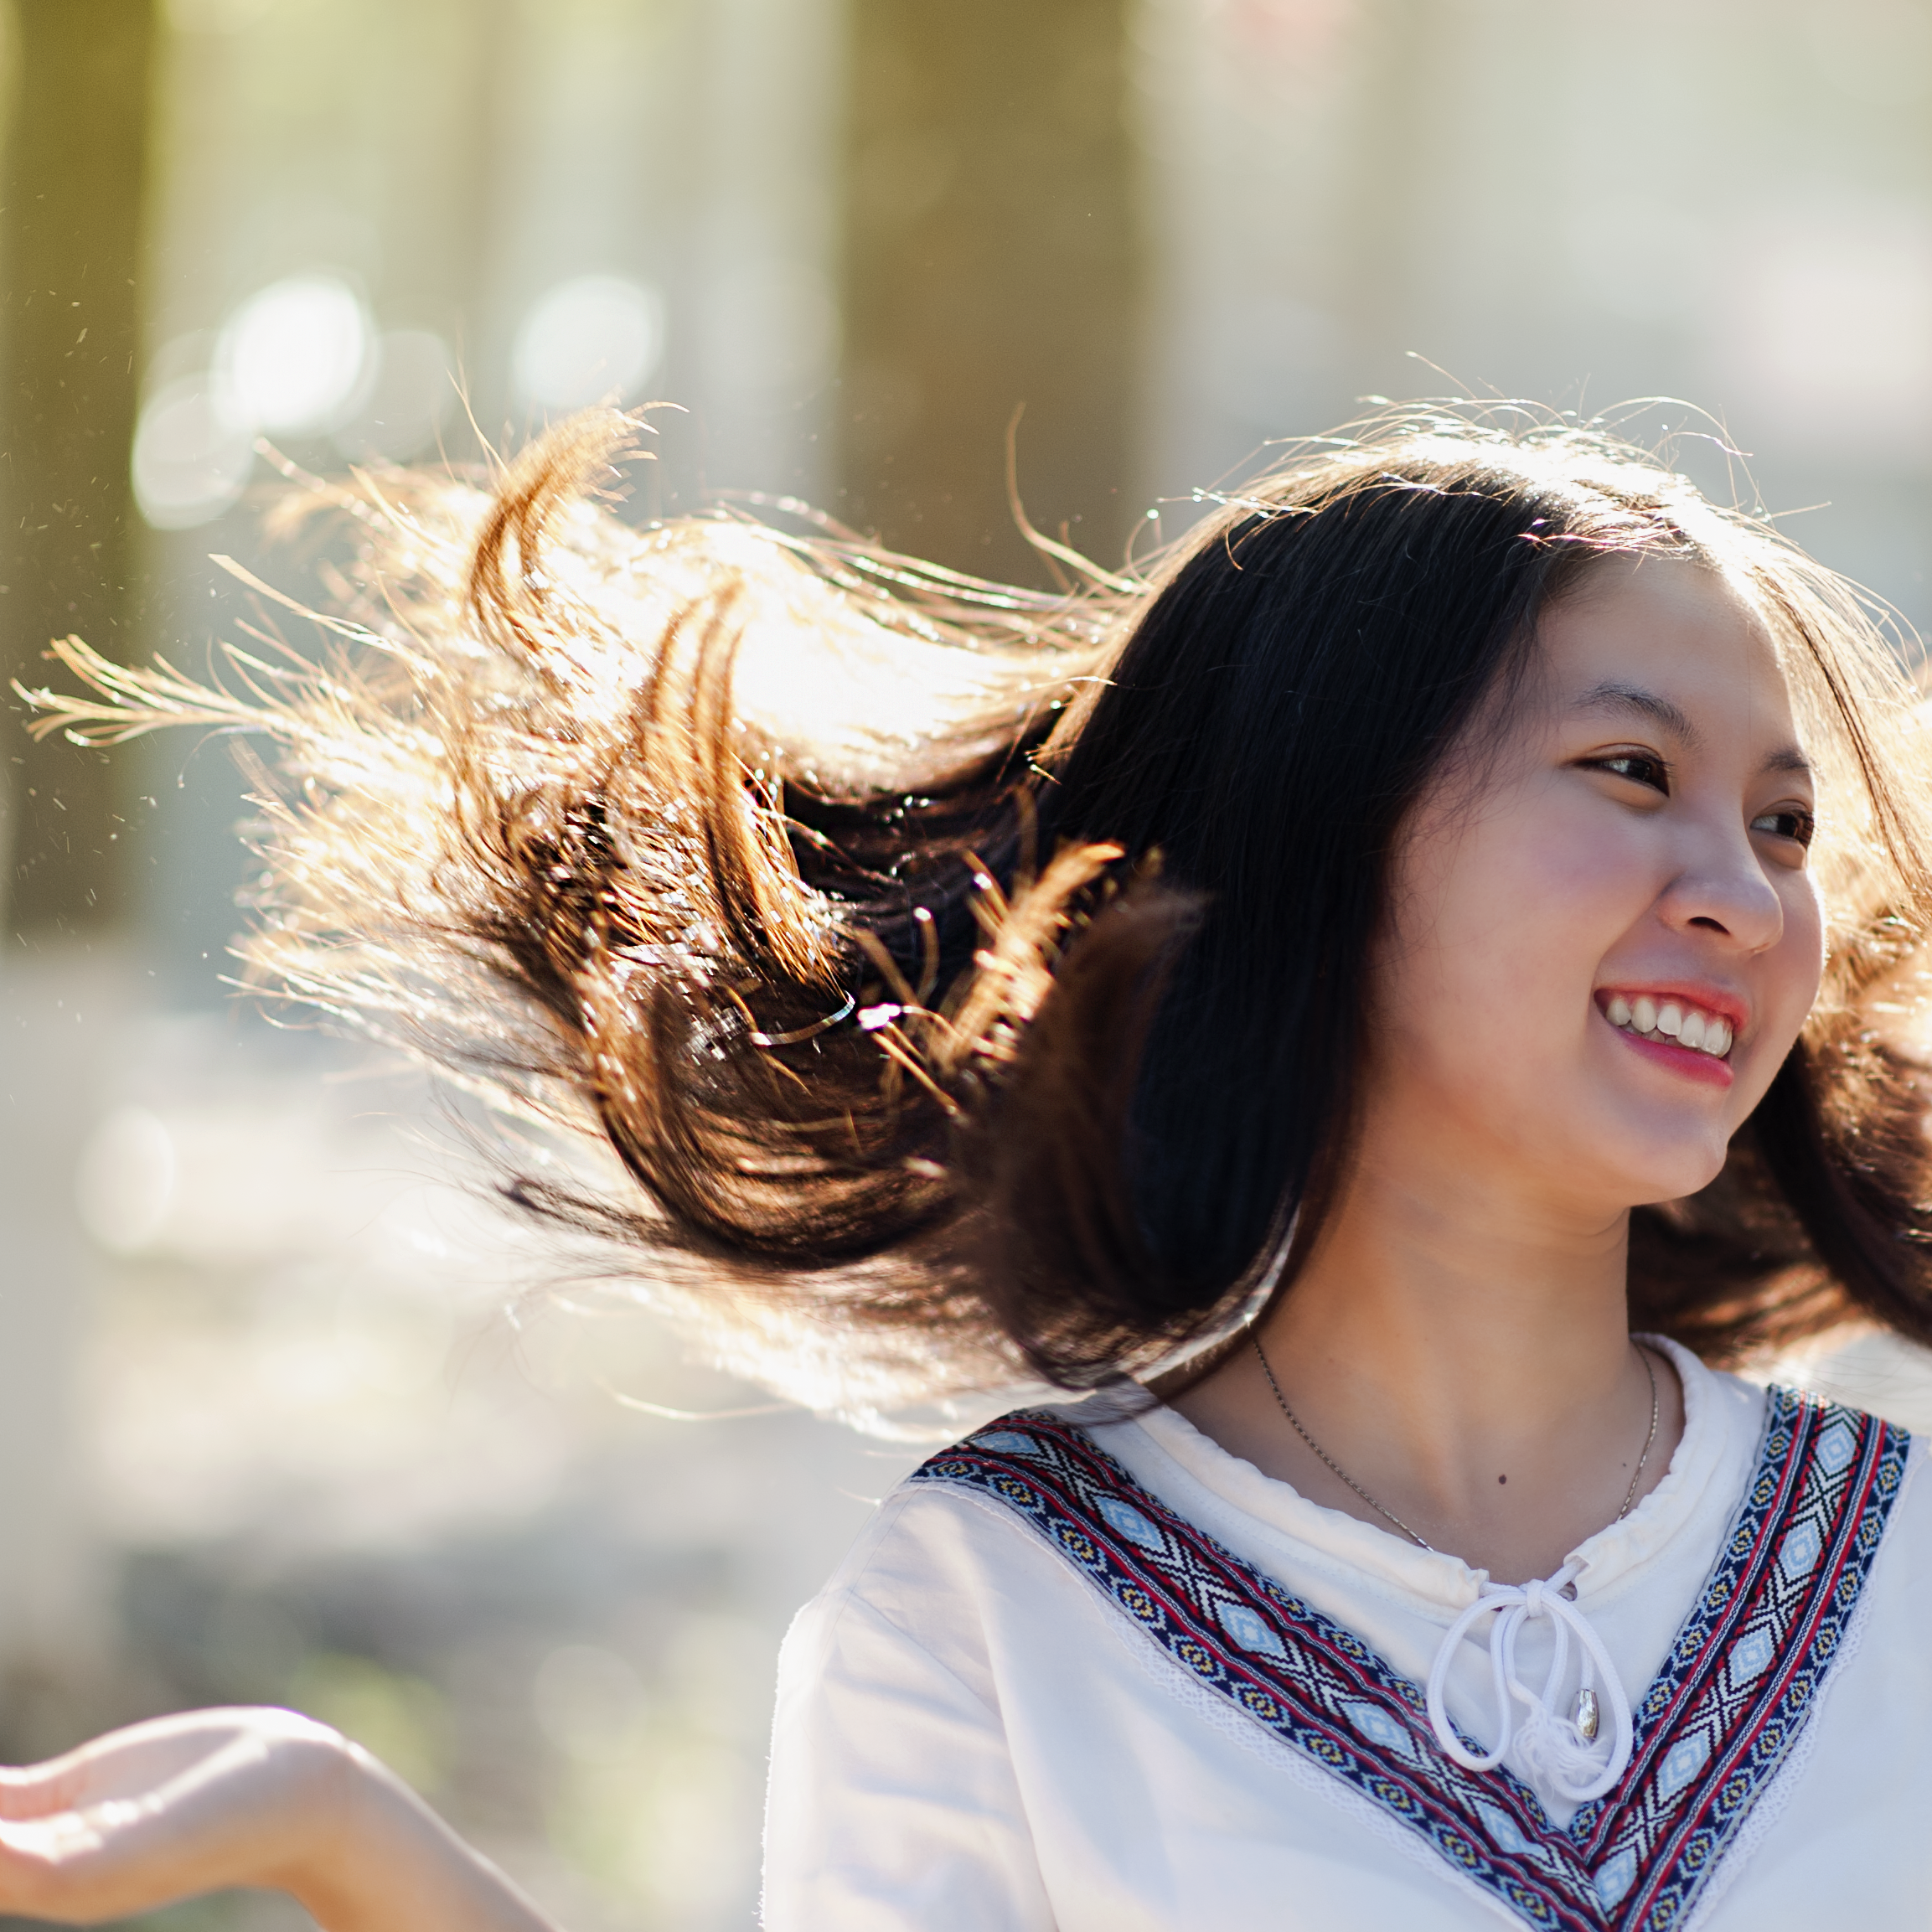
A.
pixel 215 1799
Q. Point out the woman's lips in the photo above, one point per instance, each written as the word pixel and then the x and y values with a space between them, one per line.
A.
pixel 1708 1023
pixel 1683 1034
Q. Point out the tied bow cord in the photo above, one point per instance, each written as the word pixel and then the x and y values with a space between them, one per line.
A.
pixel 1550 1748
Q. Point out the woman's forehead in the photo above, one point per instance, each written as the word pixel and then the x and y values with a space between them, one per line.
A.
pixel 1665 639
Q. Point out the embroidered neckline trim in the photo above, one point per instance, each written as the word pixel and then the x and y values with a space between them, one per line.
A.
pixel 1732 1697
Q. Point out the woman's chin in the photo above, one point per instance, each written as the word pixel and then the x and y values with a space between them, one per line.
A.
pixel 1651 1182
pixel 1633 1168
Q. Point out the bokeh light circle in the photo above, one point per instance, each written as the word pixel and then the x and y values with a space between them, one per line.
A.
pixel 595 337
pixel 191 458
pixel 293 358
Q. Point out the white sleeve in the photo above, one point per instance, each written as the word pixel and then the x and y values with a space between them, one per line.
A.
pixel 893 1806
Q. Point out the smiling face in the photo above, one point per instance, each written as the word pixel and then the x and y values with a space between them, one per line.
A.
pixel 1604 935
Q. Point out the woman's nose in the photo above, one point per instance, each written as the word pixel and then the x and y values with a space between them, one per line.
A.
pixel 1723 889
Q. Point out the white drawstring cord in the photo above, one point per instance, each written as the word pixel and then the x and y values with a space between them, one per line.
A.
pixel 1550 1748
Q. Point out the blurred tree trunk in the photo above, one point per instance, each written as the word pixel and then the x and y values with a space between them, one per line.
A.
pixel 70 247
pixel 992 259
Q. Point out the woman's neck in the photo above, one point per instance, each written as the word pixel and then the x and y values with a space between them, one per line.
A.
pixel 1463 1354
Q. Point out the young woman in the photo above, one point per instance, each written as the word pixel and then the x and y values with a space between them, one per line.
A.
pixel 1387 1002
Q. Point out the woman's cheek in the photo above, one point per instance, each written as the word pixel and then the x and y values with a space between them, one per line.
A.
pixel 1584 891
pixel 1792 990
pixel 1809 925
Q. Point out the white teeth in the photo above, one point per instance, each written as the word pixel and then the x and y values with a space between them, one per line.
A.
pixel 1688 1025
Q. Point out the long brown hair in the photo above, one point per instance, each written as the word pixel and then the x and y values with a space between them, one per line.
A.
pixel 957 981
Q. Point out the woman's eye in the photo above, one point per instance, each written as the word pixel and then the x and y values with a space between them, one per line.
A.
pixel 1639 767
pixel 1791 822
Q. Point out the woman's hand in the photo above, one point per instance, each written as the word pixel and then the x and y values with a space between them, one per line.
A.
pixel 213 1798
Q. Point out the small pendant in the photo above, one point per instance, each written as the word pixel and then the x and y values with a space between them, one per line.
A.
pixel 1584 1716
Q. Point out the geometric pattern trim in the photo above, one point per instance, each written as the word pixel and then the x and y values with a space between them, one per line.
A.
pixel 1732 1695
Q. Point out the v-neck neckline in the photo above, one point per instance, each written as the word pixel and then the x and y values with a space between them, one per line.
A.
pixel 1716 1724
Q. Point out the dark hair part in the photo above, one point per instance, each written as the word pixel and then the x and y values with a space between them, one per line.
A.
pixel 1011 1016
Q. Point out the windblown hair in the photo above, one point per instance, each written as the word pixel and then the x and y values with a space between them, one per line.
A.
pixel 959 982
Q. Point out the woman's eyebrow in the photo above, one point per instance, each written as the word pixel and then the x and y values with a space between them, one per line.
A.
pixel 1610 695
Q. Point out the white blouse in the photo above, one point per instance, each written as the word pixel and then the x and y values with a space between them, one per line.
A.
pixel 970 1735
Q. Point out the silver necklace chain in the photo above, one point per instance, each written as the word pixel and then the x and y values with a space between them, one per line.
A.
pixel 1389 1515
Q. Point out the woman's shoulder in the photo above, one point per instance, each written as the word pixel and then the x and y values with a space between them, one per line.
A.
pixel 949 1525
pixel 940 1568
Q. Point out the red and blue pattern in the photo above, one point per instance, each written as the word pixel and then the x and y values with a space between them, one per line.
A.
pixel 1737 1689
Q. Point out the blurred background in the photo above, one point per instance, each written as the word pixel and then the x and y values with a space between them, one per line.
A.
pixel 285 1414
